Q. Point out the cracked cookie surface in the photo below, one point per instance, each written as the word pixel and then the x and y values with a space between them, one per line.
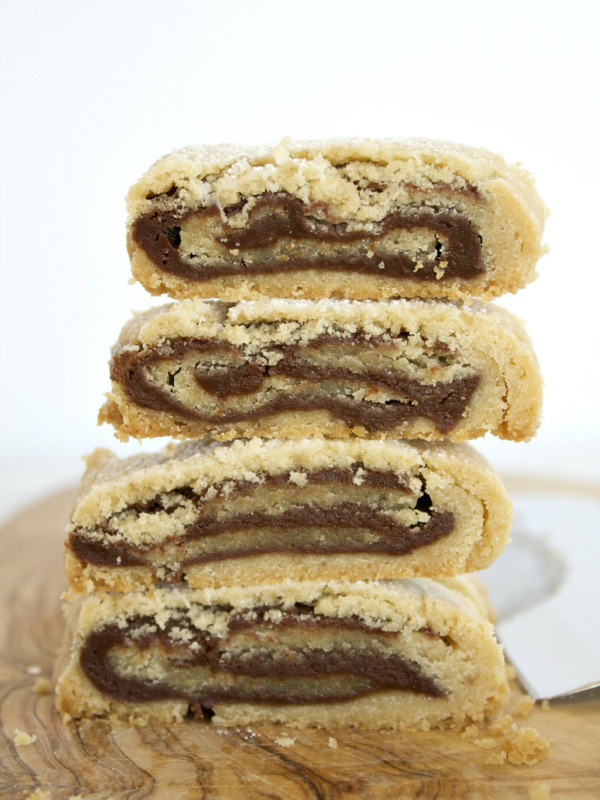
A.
pixel 259 511
pixel 414 653
pixel 339 218
pixel 287 368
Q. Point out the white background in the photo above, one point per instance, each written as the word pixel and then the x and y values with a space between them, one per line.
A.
pixel 93 92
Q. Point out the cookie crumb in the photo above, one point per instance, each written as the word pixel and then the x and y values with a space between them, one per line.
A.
pixel 33 670
pixel 539 791
pixel 524 707
pixel 545 705
pixel 471 733
pixel 332 743
pixel 359 476
pixel 42 686
pixel 500 725
pixel 518 746
pixel 281 150
pixel 299 478
pixel 506 741
pixel 285 741
pixel 487 743
pixel 39 794
pixel 22 738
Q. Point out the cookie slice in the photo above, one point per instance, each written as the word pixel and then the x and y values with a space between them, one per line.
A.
pixel 399 654
pixel 293 368
pixel 260 511
pixel 362 219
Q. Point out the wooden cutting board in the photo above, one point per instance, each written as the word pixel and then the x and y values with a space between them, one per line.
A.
pixel 192 760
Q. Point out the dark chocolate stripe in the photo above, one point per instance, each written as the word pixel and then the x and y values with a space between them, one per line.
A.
pixel 393 538
pixel 158 235
pixel 444 403
pixel 368 670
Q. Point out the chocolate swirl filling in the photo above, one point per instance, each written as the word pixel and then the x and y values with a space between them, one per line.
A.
pixel 279 217
pixel 345 527
pixel 444 403
pixel 268 674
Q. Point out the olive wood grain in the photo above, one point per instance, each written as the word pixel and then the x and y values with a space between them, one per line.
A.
pixel 98 761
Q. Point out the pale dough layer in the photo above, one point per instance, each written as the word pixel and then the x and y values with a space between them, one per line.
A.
pixel 500 200
pixel 471 670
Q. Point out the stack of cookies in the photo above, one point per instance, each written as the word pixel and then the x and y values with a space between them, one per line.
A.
pixel 300 556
